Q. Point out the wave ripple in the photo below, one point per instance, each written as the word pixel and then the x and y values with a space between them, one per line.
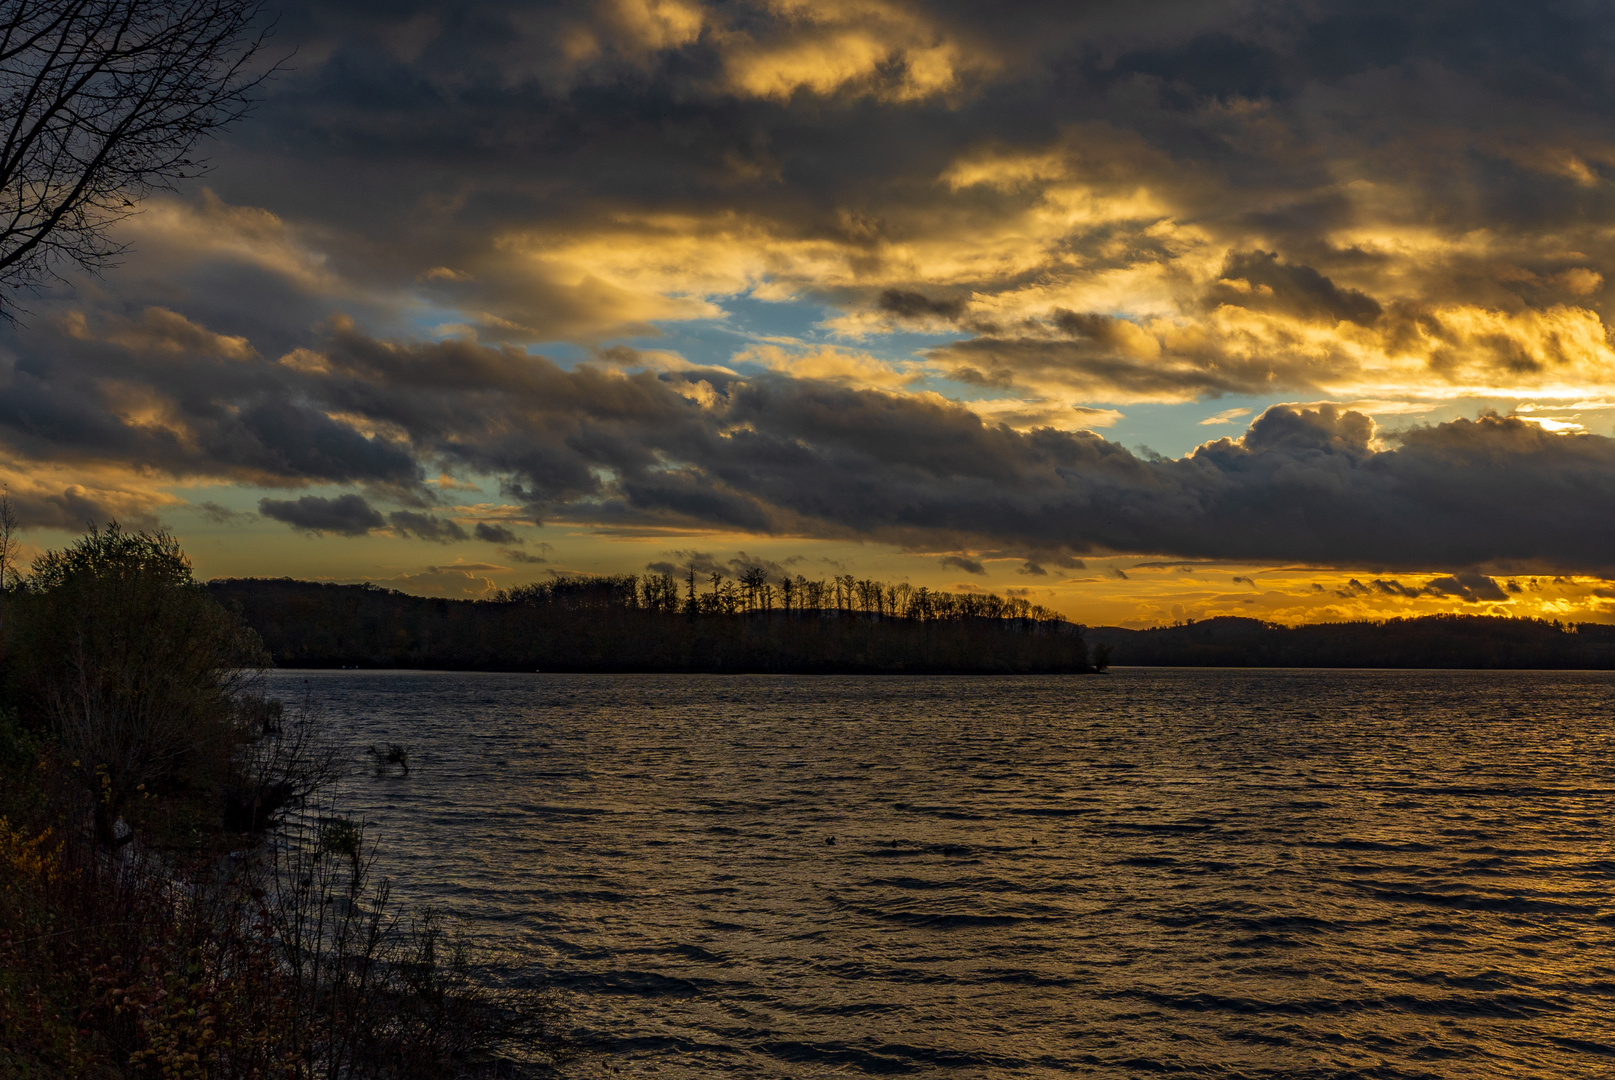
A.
pixel 1213 873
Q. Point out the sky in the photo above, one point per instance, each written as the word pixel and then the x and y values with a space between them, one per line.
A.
pixel 1143 311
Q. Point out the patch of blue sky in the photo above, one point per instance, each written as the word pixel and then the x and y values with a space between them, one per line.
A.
pixel 436 321
pixel 1175 429
pixel 790 324
pixel 567 354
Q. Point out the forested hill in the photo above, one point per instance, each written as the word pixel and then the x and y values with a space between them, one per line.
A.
pixel 1435 641
pixel 649 624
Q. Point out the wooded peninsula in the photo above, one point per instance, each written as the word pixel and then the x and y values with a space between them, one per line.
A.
pixel 1431 641
pixel 654 623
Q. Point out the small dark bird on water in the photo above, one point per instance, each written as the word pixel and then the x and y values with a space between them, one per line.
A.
pixel 829 839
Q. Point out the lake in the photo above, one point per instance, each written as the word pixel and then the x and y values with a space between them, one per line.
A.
pixel 1219 873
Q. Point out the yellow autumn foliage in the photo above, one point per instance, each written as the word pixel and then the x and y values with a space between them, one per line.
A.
pixel 35 857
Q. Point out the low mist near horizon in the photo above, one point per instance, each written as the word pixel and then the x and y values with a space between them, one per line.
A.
pixel 1138 312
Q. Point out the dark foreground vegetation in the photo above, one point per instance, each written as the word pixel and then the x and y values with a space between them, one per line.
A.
pixel 176 899
pixel 653 623
pixel 1434 641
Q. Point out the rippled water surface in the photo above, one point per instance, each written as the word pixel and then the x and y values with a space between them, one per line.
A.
pixel 1213 873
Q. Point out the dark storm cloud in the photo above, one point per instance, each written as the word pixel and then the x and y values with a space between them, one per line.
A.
pixel 345 515
pixel 1301 484
pixel 965 563
pixel 287 440
pixel 780 455
pixel 70 399
pixel 519 167
pixel 1116 200
pixel 428 136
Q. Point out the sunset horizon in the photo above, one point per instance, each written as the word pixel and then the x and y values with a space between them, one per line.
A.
pixel 1145 314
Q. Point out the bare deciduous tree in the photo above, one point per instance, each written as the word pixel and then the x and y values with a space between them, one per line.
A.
pixel 10 543
pixel 101 103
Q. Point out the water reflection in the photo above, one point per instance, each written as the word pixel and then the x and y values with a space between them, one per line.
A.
pixel 1230 873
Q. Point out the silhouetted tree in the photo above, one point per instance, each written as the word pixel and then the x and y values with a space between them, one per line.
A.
pixel 10 542
pixel 548 626
pixel 101 103
pixel 136 667
pixel 752 580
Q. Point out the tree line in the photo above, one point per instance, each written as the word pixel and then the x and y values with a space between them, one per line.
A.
pixel 714 593
pixel 655 623
pixel 1430 641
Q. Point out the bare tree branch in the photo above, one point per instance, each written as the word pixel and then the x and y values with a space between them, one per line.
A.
pixel 103 102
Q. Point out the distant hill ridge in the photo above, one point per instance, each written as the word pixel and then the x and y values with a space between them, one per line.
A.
pixel 1431 641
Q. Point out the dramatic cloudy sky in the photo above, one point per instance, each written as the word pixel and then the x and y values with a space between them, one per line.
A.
pixel 1146 310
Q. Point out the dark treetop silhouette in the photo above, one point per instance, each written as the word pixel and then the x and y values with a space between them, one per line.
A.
pixel 651 623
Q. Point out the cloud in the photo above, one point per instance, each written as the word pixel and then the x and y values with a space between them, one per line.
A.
pixel 913 305
pixel 705 563
pixel 781 455
pixel 1466 585
pixel 427 527
pixel 495 534
pixel 1227 416
pixel 965 563
pixel 460 582
pixel 1260 281
pixel 1217 200
pixel 1078 206
pixel 220 515
pixel 1470 586
pixel 345 515
pixel 73 498
pixel 1099 418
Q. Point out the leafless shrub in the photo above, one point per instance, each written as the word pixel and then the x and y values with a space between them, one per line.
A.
pixel 383 993
pixel 284 763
